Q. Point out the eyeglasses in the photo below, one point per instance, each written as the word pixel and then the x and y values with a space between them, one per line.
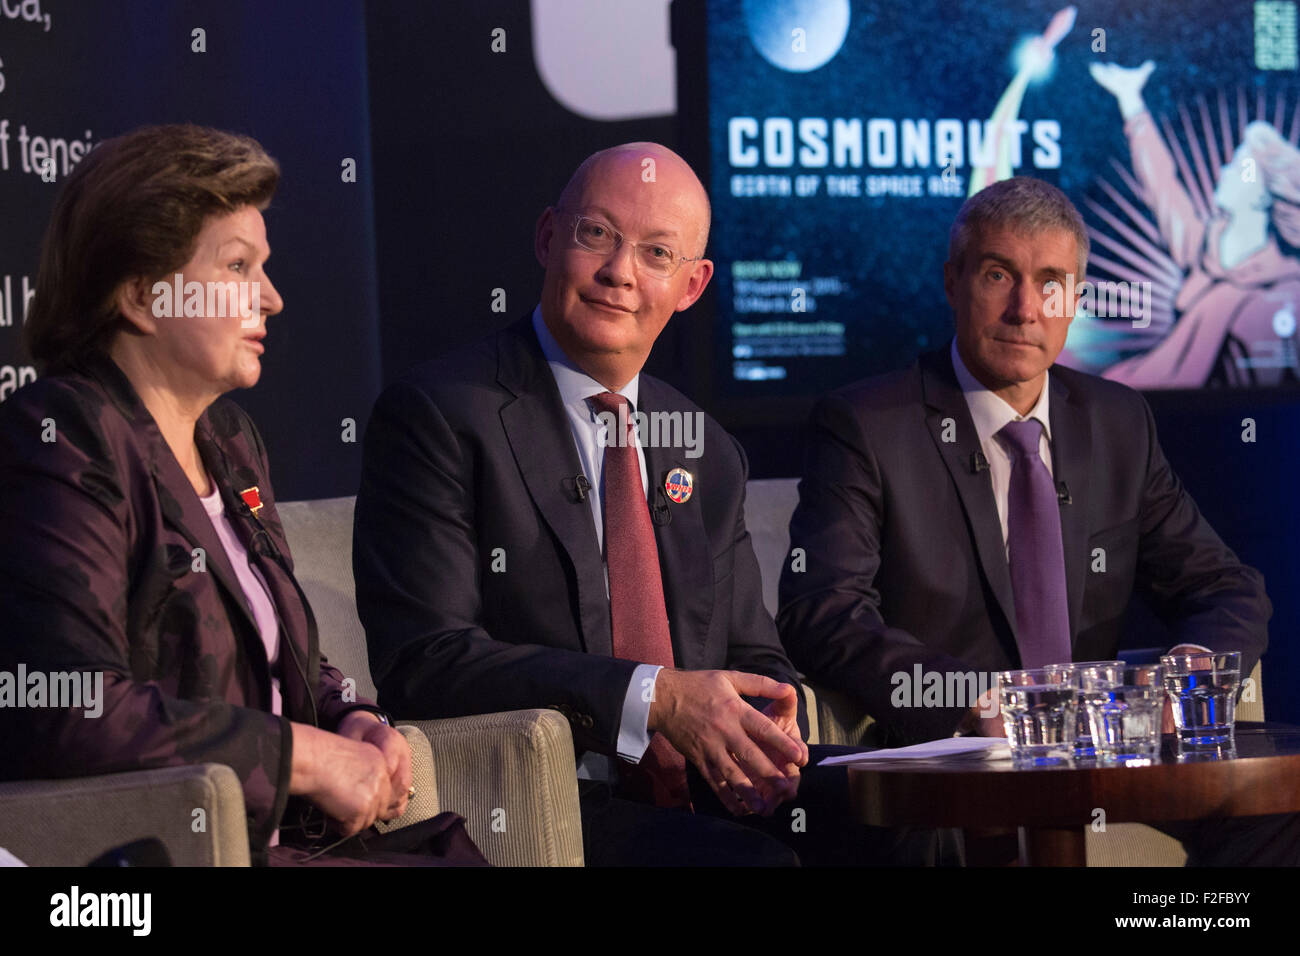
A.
pixel 655 258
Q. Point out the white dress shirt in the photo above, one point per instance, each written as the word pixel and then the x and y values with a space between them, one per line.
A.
pixel 991 414
pixel 576 389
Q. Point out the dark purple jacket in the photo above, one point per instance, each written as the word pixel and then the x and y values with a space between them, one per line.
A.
pixel 98 531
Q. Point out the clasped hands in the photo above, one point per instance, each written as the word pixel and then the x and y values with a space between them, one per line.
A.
pixel 357 776
pixel 750 758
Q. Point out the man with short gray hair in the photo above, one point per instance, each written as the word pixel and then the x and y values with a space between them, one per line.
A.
pixel 951 513
pixel 1033 206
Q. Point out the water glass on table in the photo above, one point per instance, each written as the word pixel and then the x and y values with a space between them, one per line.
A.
pixel 1040 712
pixel 1083 746
pixel 1202 689
pixel 1124 707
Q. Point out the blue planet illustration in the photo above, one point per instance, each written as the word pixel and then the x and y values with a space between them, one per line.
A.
pixel 797 35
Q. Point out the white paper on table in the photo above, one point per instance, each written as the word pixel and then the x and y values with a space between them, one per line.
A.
pixel 980 747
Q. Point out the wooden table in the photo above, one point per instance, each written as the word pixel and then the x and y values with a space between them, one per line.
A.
pixel 1052 806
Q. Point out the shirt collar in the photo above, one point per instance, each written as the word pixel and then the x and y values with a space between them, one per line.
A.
pixel 991 412
pixel 575 385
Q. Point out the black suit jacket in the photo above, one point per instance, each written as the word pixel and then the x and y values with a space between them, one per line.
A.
pixel 479 577
pixel 905 560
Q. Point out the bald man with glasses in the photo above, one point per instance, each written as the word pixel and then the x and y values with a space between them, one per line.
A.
pixel 523 540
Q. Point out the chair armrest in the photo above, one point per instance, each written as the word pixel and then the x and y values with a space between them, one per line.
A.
pixel 424 804
pixel 197 812
pixel 840 718
pixel 1251 705
pixel 512 777
pixel 814 718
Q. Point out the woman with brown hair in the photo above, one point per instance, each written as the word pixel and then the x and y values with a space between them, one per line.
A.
pixel 138 532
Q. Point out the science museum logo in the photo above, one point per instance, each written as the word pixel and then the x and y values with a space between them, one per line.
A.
pixel 797 35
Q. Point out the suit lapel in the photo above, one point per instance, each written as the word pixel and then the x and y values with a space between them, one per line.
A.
pixel 233 471
pixel 182 509
pixel 177 499
pixel 1071 455
pixel 685 561
pixel 944 401
pixel 538 432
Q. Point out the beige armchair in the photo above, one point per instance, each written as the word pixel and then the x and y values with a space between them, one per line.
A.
pixel 511 776
pixel 197 812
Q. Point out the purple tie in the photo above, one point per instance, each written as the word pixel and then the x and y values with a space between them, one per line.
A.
pixel 1037 556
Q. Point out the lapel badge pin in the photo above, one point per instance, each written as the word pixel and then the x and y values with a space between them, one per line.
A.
pixel 253 498
pixel 679 484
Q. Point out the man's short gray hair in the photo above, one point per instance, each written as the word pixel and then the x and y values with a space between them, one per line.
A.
pixel 1022 203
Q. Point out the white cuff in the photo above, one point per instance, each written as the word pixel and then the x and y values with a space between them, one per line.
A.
pixel 633 729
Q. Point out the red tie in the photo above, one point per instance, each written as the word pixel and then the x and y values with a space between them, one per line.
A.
pixel 638 615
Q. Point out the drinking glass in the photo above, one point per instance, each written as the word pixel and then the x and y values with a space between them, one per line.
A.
pixel 1083 746
pixel 1202 690
pixel 1040 714
pixel 1124 706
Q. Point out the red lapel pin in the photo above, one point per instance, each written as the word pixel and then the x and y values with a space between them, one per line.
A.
pixel 253 498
